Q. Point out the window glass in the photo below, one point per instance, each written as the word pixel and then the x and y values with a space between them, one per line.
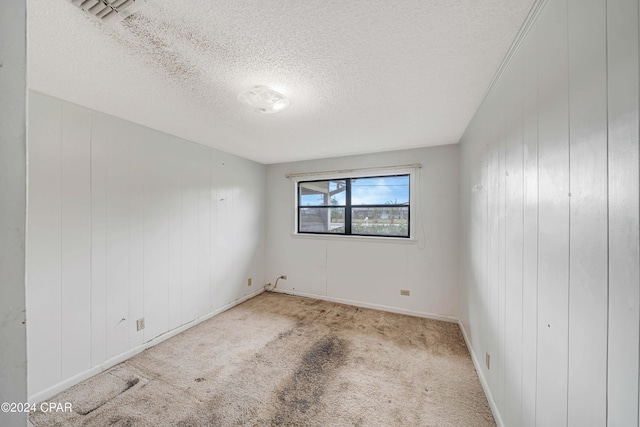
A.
pixel 322 193
pixel 322 220
pixel 384 190
pixel 369 206
pixel 380 221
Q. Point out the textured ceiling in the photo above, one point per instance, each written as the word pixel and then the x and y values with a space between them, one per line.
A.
pixel 362 76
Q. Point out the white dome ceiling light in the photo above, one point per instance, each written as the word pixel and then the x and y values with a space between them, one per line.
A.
pixel 263 99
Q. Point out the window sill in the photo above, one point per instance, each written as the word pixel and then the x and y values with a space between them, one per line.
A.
pixel 376 239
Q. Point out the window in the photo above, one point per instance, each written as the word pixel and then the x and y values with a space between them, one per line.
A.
pixel 362 206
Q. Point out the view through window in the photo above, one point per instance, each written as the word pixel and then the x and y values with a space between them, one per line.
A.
pixel 363 206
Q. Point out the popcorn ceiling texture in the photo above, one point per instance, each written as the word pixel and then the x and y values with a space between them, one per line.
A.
pixel 361 76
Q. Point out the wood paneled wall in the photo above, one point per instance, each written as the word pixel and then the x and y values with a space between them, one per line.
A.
pixel 550 267
pixel 126 222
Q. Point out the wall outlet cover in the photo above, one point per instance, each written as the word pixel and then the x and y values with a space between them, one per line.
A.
pixel 405 292
pixel 140 324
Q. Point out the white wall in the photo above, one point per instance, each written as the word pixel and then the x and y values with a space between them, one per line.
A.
pixel 549 198
pixel 371 272
pixel 126 222
pixel 13 143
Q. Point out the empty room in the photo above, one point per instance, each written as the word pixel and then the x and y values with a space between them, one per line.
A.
pixel 320 213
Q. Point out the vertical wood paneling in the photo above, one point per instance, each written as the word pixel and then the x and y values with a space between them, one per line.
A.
pixel 587 375
pixel 204 232
pixel 190 218
pixel 553 257
pixel 529 52
pixel 580 201
pixel 223 243
pixel 213 230
pixel 502 250
pixel 99 142
pixel 244 225
pixel 117 238
pixel 174 188
pixel 484 206
pixel 624 253
pixel 44 240
pixel 121 223
pixel 13 209
pixel 156 238
pixel 136 235
pixel 237 220
pixel 513 245
pixel 75 295
pixel 493 272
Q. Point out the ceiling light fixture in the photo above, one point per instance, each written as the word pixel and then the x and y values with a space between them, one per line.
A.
pixel 263 99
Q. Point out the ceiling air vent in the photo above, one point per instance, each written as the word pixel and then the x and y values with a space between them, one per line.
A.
pixel 110 11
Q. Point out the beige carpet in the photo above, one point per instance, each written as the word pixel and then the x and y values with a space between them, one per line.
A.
pixel 279 360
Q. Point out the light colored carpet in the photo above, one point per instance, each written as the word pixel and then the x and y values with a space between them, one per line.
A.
pixel 279 360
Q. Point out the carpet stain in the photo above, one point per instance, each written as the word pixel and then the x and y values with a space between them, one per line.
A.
pixel 300 396
pixel 121 422
pixel 89 407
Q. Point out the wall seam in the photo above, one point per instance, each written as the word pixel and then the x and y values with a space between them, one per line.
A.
pixel 535 420
pixel 606 46
pixel 91 338
pixel 569 203
pixel 61 245
pixel 537 106
pixel 638 206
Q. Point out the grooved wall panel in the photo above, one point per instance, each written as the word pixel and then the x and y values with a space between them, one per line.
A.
pixel 98 238
pixel 204 229
pixel 623 174
pixel 588 213
pixel 493 268
pixel 174 236
pixel 567 194
pixel 121 220
pixel 136 235
pixel 512 344
pixel 553 204
pixel 157 162
pixel 528 53
pixel 190 201
pixel 75 196
pixel 117 238
pixel 44 267
pixel 224 197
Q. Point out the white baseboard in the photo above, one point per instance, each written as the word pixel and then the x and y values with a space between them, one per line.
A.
pixel 61 386
pixel 483 380
pixel 426 315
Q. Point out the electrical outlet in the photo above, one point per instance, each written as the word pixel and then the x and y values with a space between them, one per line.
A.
pixel 140 324
pixel 488 361
pixel 405 292
pixel 249 281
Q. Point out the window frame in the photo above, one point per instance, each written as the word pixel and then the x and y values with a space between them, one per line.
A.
pixel 410 172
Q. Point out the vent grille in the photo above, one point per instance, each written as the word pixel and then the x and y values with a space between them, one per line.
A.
pixel 110 11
